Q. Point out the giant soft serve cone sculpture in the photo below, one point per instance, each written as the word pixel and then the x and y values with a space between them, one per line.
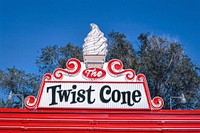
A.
pixel 94 48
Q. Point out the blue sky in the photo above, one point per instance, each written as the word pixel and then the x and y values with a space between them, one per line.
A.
pixel 26 26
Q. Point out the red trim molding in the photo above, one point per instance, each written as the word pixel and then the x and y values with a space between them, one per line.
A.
pixel 100 121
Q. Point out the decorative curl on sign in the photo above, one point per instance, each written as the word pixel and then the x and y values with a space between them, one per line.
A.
pixel 141 78
pixel 73 67
pixel 30 102
pixel 115 68
pixel 47 77
pixel 157 103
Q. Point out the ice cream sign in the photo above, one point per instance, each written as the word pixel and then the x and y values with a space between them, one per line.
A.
pixel 94 83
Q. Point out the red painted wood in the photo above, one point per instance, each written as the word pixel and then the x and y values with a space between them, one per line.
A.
pixel 99 121
pixel 106 121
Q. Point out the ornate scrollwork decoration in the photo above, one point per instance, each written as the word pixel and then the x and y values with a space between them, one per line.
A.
pixel 157 103
pixel 73 67
pixel 115 68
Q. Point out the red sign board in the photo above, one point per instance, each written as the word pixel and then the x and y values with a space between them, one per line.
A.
pixel 110 87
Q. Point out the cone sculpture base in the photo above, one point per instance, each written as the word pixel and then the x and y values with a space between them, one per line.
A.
pixel 94 61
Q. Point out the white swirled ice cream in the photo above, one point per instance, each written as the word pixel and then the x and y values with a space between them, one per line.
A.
pixel 94 48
